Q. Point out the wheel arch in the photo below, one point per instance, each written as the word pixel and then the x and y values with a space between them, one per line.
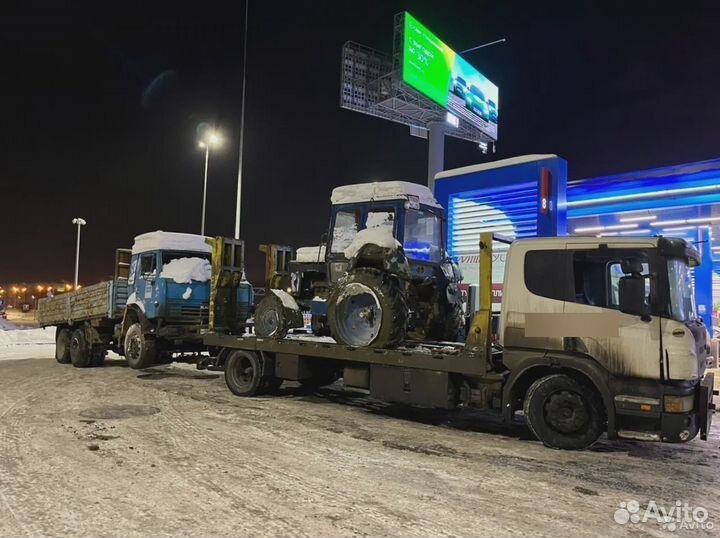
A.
pixel 133 314
pixel 582 368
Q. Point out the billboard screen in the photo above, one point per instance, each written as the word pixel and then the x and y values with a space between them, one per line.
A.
pixel 437 71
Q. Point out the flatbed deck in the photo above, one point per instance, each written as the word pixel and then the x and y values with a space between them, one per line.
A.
pixel 441 356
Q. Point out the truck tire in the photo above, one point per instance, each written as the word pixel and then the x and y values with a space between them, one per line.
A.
pixel 62 346
pixel 273 320
pixel 244 374
pixel 564 413
pixel 140 350
pixel 79 350
pixel 368 309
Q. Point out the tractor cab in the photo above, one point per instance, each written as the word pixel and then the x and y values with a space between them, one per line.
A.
pixel 406 211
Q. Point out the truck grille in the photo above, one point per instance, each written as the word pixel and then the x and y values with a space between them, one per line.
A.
pixel 183 314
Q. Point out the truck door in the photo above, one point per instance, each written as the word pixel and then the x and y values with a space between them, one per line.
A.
pixel 634 348
pixel 145 281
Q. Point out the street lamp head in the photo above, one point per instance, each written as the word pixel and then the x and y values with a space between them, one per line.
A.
pixel 211 139
pixel 79 221
pixel 214 139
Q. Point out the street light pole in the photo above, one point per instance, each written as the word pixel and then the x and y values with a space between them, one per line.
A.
pixel 238 202
pixel 207 157
pixel 79 222
pixel 211 138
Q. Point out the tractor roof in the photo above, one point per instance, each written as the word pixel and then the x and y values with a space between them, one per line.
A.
pixel 383 190
pixel 170 241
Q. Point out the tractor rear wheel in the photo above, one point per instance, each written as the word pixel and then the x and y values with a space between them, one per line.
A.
pixel 368 309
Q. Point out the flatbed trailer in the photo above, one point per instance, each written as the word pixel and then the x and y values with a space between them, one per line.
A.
pixel 424 374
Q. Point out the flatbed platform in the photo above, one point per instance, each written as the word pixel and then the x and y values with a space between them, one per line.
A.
pixel 440 356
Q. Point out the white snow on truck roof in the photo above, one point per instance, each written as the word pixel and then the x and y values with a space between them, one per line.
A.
pixel 170 241
pixel 382 190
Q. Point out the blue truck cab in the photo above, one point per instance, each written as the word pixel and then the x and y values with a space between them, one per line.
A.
pixel 168 294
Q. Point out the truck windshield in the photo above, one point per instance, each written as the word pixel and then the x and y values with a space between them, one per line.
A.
pixel 423 236
pixel 682 295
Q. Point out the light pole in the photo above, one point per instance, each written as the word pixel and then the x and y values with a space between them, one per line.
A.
pixel 211 138
pixel 79 222
pixel 238 203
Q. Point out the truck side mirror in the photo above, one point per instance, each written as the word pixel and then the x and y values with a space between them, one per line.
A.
pixel 632 296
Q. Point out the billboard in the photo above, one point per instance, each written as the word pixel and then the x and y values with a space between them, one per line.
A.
pixel 437 71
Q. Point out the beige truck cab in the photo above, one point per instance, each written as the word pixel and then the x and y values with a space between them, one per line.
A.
pixel 620 314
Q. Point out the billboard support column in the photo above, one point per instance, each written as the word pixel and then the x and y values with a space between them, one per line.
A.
pixel 436 151
pixel 703 276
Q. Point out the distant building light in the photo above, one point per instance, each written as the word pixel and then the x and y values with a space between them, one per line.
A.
pixel 452 119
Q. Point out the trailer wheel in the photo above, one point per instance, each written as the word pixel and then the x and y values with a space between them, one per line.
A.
pixel 79 350
pixel 564 413
pixel 62 346
pixel 244 374
pixel 140 351
pixel 368 309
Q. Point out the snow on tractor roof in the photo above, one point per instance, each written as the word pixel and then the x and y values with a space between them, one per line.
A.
pixel 382 190
pixel 170 241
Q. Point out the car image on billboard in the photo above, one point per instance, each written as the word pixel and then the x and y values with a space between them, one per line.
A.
pixel 438 72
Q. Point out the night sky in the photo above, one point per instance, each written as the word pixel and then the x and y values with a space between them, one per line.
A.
pixel 100 111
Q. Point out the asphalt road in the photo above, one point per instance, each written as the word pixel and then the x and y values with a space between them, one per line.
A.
pixel 170 452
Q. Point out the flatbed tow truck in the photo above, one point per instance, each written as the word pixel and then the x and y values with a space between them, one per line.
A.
pixel 596 335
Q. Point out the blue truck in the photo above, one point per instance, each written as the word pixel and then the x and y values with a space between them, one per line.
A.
pixel 154 310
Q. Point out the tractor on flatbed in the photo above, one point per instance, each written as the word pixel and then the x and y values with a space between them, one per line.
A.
pixel 384 276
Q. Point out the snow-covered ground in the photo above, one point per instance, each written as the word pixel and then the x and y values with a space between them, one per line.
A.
pixel 17 342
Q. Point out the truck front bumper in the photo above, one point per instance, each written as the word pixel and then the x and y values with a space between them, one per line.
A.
pixel 645 418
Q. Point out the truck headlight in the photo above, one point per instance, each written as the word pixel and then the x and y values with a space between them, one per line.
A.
pixel 679 404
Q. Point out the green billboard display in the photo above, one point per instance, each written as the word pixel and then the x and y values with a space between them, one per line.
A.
pixel 437 71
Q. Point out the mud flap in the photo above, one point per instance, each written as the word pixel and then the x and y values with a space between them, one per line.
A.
pixel 706 408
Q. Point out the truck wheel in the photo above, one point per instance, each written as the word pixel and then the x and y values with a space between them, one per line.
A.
pixel 368 309
pixel 564 413
pixel 62 346
pixel 243 374
pixel 79 349
pixel 140 351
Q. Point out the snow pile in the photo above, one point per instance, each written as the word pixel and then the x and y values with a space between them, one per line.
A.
pixel 187 294
pixel 287 299
pixel 383 190
pixel 27 343
pixel 381 236
pixel 185 270
pixel 310 254
pixel 170 241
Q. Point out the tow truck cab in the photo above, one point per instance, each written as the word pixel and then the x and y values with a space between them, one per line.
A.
pixel 620 311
